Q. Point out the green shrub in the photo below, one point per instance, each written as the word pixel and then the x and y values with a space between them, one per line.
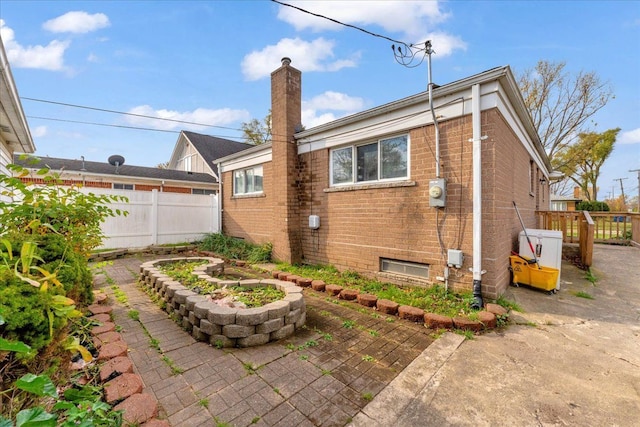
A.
pixel 234 248
pixel 24 308
pixel 592 206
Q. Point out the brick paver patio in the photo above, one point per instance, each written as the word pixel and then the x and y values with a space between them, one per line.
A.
pixel 322 376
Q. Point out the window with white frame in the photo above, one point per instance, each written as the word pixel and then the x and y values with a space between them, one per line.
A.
pixel 386 159
pixel 117 186
pixel 247 181
pixel 187 163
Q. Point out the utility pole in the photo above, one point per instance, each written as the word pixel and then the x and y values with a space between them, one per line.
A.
pixel 624 201
pixel 638 171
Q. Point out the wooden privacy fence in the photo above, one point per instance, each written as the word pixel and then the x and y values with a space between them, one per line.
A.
pixel 157 218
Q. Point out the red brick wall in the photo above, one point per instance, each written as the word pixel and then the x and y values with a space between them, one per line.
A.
pixel 505 179
pixel 249 217
pixel 359 227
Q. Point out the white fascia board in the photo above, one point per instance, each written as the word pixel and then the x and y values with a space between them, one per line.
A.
pixel 493 95
pixel 182 139
pixel 392 122
pixel 247 160
pixel 12 108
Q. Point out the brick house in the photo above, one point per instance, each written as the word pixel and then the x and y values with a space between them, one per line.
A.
pixel 90 174
pixel 195 152
pixel 356 193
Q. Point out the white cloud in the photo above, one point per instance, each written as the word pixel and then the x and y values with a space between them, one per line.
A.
pixel 50 57
pixel 321 109
pixel 93 58
pixel 316 55
pixel 403 17
pixel 39 131
pixel 220 117
pixel 78 22
pixel 630 137
pixel 444 44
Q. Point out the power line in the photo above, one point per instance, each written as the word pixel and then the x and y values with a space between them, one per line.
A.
pixel 113 126
pixel 126 114
pixel 404 58
pixel 341 23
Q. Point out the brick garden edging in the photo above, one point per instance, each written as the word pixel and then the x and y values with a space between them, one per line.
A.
pixel 224 326
pixel 488 318
pixel 122 387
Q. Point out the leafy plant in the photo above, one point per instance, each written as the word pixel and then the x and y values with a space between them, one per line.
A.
pixel 233 248
pixel 583 294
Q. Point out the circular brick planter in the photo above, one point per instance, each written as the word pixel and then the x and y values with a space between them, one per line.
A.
pixel 223 326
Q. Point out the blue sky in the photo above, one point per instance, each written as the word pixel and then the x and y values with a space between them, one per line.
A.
pixel 209 62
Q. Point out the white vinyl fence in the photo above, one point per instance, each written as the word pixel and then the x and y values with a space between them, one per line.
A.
pixel 158 218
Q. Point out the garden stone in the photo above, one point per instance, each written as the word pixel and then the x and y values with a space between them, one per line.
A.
pixel 201 309
pixel 387 306
pixel 222 341
pixel 253 340
pixel 222 315
pixel 238 331
pixel 181 296
pixel 437 321
pixel 488 319
pixel 138 409
pixel 318 285
pixel 252 316
pixel 193 300
pixel 367 300
pixel 277 309
pixel 122 387
pixel 106 338
pixel 112 349
pixel 283 332
pixel 116 366
pixel 467 324
pixel 270 326
pixel 292 317
pixel 348 294
pixel 412 314
pixel 210 328
pixel 301 321
pixel 332 290
pixel 295 300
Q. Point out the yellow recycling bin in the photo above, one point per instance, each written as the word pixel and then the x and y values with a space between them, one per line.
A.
pixel 544 278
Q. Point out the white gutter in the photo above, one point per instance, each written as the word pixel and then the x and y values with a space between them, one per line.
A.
pixel 477 196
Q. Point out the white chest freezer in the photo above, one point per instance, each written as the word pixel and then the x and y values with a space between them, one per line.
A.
pixel 548 247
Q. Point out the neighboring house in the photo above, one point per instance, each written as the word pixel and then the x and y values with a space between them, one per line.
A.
pixel 14 129
pixel 124 177
pixel 362 193
pixel 563 203
pixel 195 152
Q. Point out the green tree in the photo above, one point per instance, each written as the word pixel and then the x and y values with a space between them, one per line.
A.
pixel 257 132
pixel 581 162
pixel 560 103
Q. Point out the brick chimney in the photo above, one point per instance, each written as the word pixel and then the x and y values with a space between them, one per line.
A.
pixel 286 116
pixel 577 193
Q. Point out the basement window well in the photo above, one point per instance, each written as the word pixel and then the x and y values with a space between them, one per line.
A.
pixel 406 268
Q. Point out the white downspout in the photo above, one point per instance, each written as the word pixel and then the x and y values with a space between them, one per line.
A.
pixel 477 197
